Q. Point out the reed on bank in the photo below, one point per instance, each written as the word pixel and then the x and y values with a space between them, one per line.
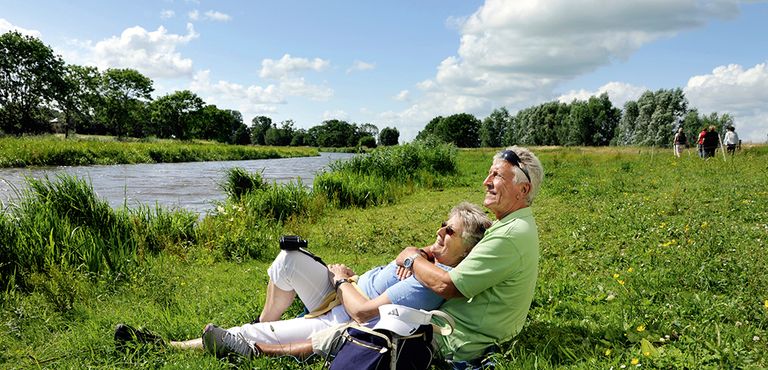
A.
pixel 52 150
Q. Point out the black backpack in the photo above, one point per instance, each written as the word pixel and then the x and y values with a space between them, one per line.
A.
pixel 368 349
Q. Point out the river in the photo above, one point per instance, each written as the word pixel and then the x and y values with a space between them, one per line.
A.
pixel 190 185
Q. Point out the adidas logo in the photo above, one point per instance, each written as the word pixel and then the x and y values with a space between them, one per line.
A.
pixel 393 313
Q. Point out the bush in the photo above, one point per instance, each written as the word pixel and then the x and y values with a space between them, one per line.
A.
pixel 238 182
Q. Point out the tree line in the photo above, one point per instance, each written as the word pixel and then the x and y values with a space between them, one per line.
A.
pixel 40 93
pixel 651 120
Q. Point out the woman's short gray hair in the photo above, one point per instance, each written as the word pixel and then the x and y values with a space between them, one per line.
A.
pixel 474 223
pixel 531 163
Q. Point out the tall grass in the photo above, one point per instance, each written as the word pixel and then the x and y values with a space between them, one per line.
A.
pixel 238 182
pixel 55 151
pixel 385 174
pixel 61 225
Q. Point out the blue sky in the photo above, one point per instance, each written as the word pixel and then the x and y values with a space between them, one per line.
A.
pixel 401 63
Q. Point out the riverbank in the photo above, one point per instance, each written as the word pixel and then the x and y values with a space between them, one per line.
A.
pixel 50 150
pixel 646 259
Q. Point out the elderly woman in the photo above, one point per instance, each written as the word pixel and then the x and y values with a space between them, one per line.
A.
pixel 334 296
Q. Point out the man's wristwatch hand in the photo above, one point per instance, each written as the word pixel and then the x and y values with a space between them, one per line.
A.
pixel 408 262
pixel 338 283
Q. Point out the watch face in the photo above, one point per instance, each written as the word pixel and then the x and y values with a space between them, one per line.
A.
pixel 408 262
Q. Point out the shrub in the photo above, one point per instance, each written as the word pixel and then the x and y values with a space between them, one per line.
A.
pixel 238 182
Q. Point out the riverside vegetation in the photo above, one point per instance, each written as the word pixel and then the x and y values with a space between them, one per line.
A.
pixel 646 260
pixel 51 150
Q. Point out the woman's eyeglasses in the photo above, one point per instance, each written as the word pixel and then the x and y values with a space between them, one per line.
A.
pixel 448 229
pixel 511 157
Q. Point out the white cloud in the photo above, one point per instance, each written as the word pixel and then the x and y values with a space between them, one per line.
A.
pixel 288 66
pixel 516 53
pixel 335 114
pixel 6 26
pixel 167 13
pixel 403 95
pixel 153 53
pixel 253 100
pixel 217 16
pixel 194 15
pixel 618 92
pixel 743 93
pixel 359 65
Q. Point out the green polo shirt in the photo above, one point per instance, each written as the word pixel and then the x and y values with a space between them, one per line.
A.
pixel 498 279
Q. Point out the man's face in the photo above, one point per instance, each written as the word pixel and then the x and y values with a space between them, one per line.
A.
pixel 502 195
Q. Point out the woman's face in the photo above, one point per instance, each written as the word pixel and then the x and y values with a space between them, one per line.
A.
pixel 449 246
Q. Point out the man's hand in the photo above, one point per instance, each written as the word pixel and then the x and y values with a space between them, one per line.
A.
pixel 340 271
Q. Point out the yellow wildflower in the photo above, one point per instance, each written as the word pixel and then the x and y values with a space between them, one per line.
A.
pixel 640 328
pixel 616 276
pixel 630 270
pixel 608 352
pixel 621 282
pixel 765 303
pixel 634 361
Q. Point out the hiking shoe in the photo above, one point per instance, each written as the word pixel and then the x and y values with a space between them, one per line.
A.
pixel 126 334
pixel 222 343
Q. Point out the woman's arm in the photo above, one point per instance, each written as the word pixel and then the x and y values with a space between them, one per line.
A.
pixel 357 306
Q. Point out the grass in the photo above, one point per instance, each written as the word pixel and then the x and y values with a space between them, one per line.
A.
pixel 56 151
pixel 646 259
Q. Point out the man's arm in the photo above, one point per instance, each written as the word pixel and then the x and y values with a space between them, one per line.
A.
pixel 429 275
pixel 357 306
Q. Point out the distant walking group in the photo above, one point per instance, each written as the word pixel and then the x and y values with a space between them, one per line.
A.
pixel 707 141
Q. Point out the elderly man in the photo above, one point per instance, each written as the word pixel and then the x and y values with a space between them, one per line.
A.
pixel 490 291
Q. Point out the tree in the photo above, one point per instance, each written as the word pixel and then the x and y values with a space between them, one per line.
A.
pixel 300 138
pixel 389 136
pixel 460 129
pixel 125 92
pixel 430 129
pixel 280 136
pixel 30 81
pixel 367 141
pixel 654 118
pixel 80 99
pixel 369 129
pixel 259 127
pixel 177 115
pixel 335 133
pixel 493 127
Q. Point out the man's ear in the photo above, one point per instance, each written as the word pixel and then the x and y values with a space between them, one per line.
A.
pixel 527 189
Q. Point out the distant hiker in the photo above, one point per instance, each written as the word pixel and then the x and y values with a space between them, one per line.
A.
pixel 489 292
pixel 700 141
pixel 680 142
pixel 730 140
pixel 710 142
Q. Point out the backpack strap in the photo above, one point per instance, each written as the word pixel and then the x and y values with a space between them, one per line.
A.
pixel 446 322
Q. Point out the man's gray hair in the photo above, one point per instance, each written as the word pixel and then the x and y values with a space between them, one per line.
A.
pixel 531 163
pixel 474 223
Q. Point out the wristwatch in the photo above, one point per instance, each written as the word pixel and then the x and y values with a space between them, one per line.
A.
pixel 408 262
pixel 338 283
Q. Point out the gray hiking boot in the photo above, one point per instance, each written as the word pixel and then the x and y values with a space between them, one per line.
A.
pixel 222 343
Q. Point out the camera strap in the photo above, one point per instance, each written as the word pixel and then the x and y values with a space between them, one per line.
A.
pixel 313 256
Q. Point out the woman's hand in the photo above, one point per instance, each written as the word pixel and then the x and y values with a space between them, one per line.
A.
pixel 340 271
pixel 403 273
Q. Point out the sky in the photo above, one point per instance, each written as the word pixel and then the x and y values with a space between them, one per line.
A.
pixel 400 63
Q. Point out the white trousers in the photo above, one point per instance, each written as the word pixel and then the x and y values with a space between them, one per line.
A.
pixel 295 271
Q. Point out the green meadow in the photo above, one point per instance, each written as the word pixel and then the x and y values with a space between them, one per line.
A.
pixel 647 260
